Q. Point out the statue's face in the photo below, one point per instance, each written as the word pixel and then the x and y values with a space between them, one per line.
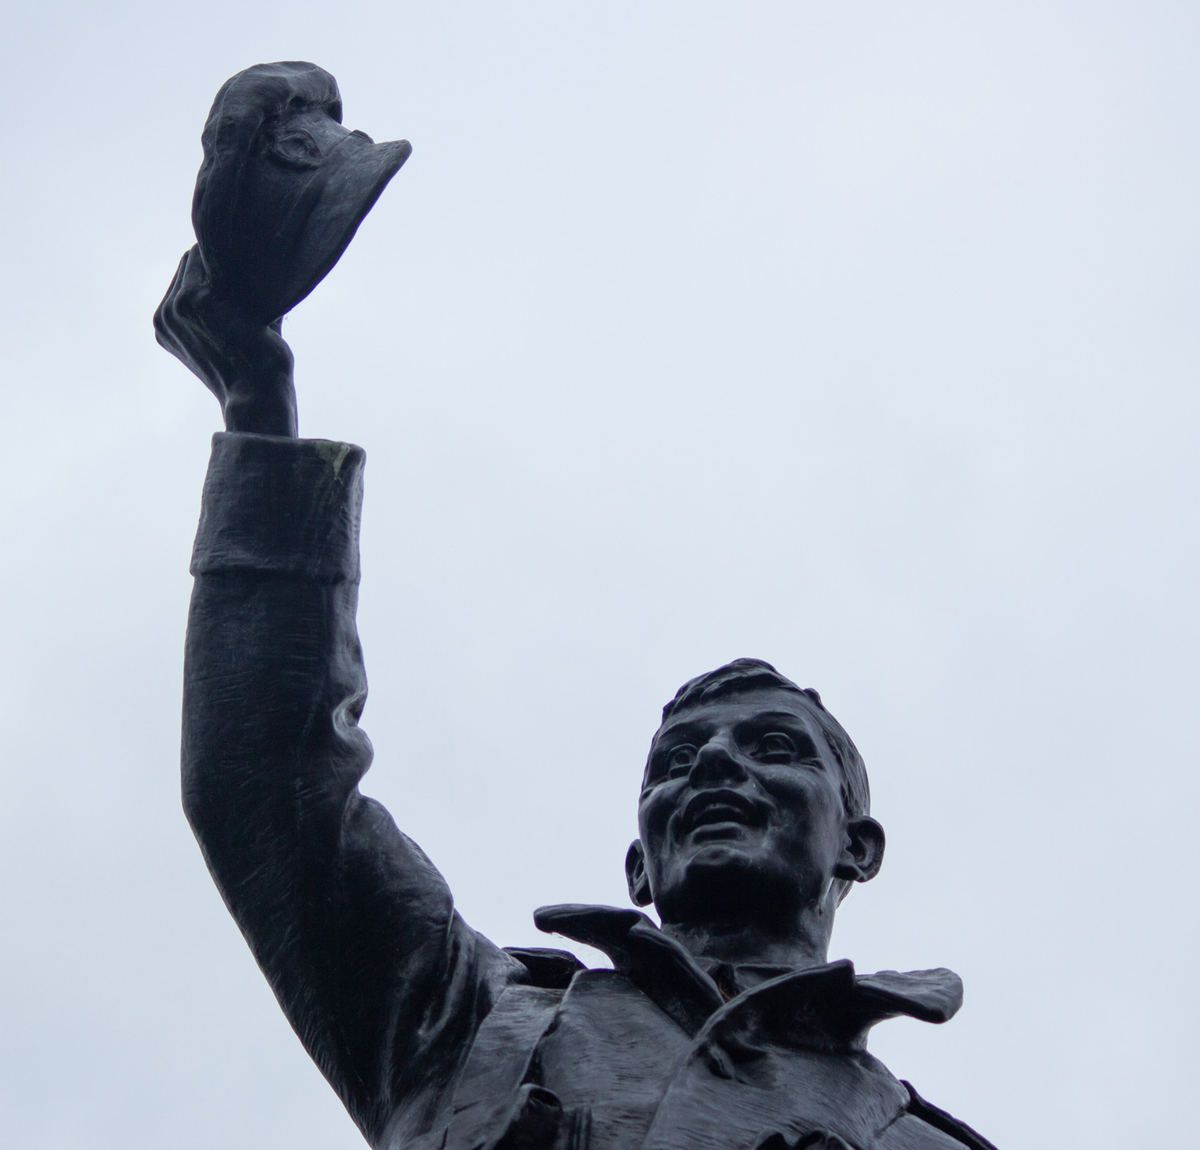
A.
pixel 741 814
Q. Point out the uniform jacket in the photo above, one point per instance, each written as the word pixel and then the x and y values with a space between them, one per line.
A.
pixel 434 1038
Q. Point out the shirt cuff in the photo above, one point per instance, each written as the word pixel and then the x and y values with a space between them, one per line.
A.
pixel 279 506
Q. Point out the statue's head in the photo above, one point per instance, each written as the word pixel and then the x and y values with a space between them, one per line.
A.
pixel 283 186
pixel 754 805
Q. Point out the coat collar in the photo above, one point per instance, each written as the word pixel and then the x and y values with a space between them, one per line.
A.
pixel 825 1006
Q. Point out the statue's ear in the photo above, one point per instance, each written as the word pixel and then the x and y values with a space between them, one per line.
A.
pixel 635 875
pixel 862 850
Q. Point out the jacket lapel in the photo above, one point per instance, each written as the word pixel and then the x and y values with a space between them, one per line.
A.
pixel 654 962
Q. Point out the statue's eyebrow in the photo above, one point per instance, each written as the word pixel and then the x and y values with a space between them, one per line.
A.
pixel 795 725
pixel 775 717
pixel 686 730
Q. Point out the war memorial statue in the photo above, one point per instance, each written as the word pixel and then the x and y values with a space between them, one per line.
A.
pixel 724 1029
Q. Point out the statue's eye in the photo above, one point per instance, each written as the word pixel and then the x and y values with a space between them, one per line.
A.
pixel 681 758
pixel 296 149
pixel 776 743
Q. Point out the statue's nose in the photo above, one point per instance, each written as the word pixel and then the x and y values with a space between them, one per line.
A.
pixel 716 762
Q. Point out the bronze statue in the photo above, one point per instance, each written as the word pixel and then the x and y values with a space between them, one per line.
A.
pixel 724 1029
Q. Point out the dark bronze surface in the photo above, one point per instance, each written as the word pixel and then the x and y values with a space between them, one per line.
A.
pixel 724 1028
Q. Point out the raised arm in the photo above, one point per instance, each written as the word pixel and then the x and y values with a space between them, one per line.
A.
pixel 352 925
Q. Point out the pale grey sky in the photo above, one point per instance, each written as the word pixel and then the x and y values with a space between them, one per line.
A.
pixel 860 337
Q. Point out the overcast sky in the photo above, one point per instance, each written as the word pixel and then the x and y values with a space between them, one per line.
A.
pixel 859 337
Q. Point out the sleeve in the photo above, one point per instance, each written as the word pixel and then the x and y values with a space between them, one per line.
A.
pixel 353 926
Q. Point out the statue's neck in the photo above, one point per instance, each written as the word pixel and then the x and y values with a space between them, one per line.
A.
pixel 802 945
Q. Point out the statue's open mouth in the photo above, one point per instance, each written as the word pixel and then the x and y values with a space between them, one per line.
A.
pixel 714 808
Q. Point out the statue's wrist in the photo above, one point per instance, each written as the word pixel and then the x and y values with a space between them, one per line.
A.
pixel 261 411
pixel 259 395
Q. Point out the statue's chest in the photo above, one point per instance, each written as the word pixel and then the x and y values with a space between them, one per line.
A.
pixel 639 1080
pixel 612 1052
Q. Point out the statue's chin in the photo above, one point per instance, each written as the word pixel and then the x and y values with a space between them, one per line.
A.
pixel 722 876
pixel 722 853
pixel 733 881
pixel 726 844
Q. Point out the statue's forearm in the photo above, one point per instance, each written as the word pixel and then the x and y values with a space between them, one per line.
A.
pixel 273 680
pixel 348 920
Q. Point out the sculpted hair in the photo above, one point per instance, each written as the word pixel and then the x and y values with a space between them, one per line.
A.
pixel 754 674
